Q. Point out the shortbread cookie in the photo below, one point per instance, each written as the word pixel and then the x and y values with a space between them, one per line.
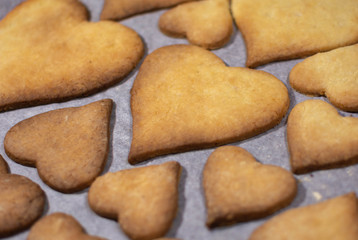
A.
pixel 119 9
pixel 279 29
pixel 61 225
pixel 68 146
pixel 333 74
pixel 144 200
pixel 332 219
pixel 184 98
pixel 22 202
pixel 318 137
pixel 49 52
pixel 206 23
pixel 238 188
pixel 4 168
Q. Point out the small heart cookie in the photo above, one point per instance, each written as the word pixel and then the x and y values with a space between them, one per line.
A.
pixel 144 200
pixel 238 188
pixel 332 219
pixel 206 23
pixel 22 202
pixel 318 137
pixel 277 30
pixel 69 146
pixel 333 74
pixel 61 225
pixel 4 168
pixel 185 98
pixel 119 9
pixel 49 52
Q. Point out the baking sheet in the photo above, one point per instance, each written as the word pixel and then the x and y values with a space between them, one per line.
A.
pixel 269 147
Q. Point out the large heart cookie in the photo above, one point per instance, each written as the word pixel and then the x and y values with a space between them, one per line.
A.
pixel 279 29
pixel 318 137
pixel 334 219
pixel 184 97
pixel 205 23
pixel 333 74
pixel 143 199
pixel 238 188
pixel 61 225
pixel 68 146
pixel 22 202
pixel 50 52
pixel 119 9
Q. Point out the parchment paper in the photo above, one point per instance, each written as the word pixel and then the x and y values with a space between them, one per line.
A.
pixel 269 147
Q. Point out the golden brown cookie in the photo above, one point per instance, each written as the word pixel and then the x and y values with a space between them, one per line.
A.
pixel 332 219
pixel 333 74
pixel 318 137
pixel 119 9
pixel 279 29
pixel 61 225
pixel 238 188
pixel 206 23
pixel 144 200
pixel 22 202
pixel 184 98
pixel 4 168
pixel 49 52
pixel 68 146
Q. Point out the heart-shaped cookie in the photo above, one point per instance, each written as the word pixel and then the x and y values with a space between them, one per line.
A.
pixel 279 29
pixel 144 200
pixel 68 146
pixel 184 97
pixel 61 225
pixel 22 202
pixel 318 137
pixel 333 219
pixel 333 74
pixel 49 52
pixel 238 188
pixel 4 168
pixel 119 9
pixel 206 23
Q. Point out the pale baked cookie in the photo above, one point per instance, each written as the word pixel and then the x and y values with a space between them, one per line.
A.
pixel 119 9
pixel 61 225
pixel 206 23
pixel 22 202
pixel 69 146
pixel 238 188
pixel 333 74
pixel 4 168
pixel 144 200
pixel 318 137
pixel 279 29
pixel 332 219
pixel 184 98
pixel 49 52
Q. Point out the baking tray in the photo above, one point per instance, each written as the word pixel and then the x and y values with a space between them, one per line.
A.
pixel 268 148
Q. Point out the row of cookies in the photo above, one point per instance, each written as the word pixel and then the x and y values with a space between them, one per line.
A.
pixel 273 30
pixel 87 63
pixel 144 200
